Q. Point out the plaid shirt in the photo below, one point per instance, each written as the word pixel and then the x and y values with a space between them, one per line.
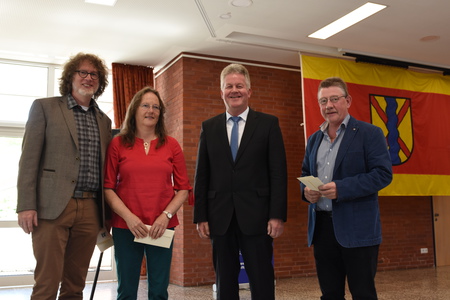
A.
pixel 89 143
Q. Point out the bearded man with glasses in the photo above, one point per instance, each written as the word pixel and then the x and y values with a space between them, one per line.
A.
pixel 60 196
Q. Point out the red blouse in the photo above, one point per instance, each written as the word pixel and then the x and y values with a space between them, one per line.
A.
pixel 146 183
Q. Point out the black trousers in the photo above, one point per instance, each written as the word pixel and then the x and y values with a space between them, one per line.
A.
pixel 257 252
pixel 335 263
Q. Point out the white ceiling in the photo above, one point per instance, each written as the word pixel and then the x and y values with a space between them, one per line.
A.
pixel 152 32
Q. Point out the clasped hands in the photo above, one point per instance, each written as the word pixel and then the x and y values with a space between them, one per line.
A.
pixel 327 190
pixel 140 230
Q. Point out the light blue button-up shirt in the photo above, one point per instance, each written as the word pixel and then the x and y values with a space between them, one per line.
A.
pixel 326 158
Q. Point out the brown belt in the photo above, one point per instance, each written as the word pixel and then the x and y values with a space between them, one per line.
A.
pixel 84 195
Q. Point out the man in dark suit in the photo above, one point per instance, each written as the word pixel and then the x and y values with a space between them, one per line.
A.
pixel 61 177
pixel 241 202
pixel 352 160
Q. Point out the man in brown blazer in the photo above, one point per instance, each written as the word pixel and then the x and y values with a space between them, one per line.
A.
pixel 60 196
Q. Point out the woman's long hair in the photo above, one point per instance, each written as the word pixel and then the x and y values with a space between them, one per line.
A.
pixel 128 131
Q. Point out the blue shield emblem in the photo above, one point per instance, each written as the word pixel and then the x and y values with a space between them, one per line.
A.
pixel 393 116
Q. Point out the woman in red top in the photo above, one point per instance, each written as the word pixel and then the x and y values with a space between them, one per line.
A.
pixel 146 183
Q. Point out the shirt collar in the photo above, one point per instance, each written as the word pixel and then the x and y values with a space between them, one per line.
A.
pixel 243 115
pixel 71 102
pixel 324 126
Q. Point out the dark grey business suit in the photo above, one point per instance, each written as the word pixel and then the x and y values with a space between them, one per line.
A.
pixel 239 197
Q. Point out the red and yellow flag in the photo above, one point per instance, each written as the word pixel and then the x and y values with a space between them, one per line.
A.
pixel 412 109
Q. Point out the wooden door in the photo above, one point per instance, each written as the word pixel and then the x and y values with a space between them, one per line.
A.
pixel 441 211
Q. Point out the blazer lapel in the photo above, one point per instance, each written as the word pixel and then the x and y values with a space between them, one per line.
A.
pixel 70 119
pixel 314 151
pixel 222 135
pixel 105 135
pixel 349 135
pixel 250 126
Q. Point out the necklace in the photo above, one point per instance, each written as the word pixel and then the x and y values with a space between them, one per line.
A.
pixel 146 144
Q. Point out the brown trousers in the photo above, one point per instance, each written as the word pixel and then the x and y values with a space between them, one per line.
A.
pixel 63 249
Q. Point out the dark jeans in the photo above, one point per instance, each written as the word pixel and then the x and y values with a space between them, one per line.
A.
pixel 129 255
pixel 335 263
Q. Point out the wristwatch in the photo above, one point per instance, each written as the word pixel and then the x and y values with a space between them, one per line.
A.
pixel 168 214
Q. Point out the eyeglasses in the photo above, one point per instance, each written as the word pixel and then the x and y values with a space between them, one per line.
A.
pixel 84 74
pixel 148 106
pixel 333 99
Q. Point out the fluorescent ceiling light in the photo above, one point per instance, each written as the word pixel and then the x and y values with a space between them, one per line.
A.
pixel 348 20
pixel 102 2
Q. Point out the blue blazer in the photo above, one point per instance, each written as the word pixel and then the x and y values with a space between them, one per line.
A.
pixel 363 167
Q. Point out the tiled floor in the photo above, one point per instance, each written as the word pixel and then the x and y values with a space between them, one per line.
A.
pixel 416 284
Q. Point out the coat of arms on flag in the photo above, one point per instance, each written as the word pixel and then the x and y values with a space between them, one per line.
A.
pixel 393 116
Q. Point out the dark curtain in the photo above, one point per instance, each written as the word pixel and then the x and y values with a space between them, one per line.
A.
pixel 127 81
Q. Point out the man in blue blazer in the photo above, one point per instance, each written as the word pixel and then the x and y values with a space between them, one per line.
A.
pixel 241 202
pixel 352 160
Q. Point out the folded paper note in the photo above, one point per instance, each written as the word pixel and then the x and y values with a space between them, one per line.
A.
pixel 104 240
pixel 163 241
pixel 312 182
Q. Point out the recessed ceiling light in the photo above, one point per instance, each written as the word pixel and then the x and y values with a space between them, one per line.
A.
pixel 225 16
pixel 102 2
pixel 348 20
pixel 241 3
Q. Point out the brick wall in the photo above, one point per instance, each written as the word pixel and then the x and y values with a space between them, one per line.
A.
pixel 407 226
pixel 190 88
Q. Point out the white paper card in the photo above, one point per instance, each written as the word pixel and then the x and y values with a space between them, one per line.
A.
pixel 163 241
pixel 104 240
pixel 312 182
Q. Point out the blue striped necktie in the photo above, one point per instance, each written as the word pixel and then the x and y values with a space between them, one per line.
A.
pixel 234 141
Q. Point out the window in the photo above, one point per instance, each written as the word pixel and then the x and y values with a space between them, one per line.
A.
pixel 22 83
pixel 20 86
pixel 9 158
